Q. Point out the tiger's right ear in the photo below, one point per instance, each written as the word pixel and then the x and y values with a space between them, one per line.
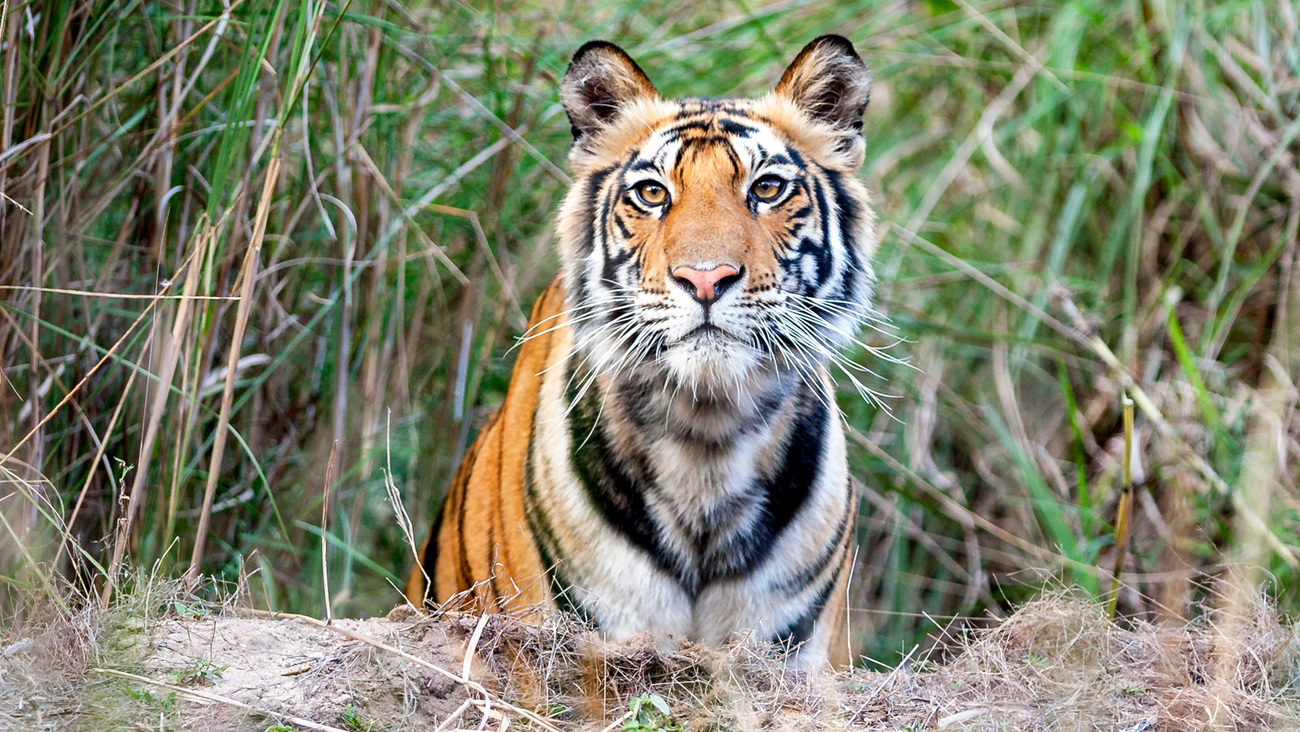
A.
pixel 601 82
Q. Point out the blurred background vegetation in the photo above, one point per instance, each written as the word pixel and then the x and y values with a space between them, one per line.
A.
pixel 253 248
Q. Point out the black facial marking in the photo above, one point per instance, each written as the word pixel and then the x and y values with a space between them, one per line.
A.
pixel 847 215
pixel 694 125
pixel 737 167
pixel 587 236
pixel 623 231
pixel 736 128
pixel 821 254
pixel 795 158
pixel 594 185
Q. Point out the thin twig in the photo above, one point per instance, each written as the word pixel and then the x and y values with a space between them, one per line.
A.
pixel 324 527
pixel 472 646
pixel 1125 510
pixel 615 724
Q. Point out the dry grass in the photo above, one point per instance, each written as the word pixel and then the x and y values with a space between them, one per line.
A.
pixel 1056 664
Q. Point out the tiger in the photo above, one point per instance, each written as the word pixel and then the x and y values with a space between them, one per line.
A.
pixel 669 456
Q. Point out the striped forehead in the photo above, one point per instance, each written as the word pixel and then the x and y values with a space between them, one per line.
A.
pixel 752 140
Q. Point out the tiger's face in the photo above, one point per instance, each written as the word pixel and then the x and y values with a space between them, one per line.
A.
pixel 717 241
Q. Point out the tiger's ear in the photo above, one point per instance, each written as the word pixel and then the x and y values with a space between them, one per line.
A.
pixel 601 82
pixel 829 82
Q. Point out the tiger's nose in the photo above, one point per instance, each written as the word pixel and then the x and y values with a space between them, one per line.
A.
pixel 706 285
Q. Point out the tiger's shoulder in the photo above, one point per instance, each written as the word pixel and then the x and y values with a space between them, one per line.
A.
pixel 480 545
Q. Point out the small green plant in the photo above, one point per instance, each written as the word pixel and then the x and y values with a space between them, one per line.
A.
pixel 650 713
pixel 199 671
pixel 350 718
pixel 190 611
pixel 282 728
pixel 149 699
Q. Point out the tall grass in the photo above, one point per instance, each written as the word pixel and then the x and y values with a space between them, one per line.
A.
pixel 249 244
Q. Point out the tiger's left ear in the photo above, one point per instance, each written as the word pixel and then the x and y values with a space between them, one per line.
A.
pixel 829 82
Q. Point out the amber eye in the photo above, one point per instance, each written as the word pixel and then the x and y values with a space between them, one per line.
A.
pixel 767 187
pixel 651 193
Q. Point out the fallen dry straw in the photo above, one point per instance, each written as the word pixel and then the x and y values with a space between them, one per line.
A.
pixel 1056 664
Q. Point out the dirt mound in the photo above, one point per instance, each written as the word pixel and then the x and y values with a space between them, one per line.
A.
pixel 1057 664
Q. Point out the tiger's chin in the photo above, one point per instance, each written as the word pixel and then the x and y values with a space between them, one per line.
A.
pixel 713 365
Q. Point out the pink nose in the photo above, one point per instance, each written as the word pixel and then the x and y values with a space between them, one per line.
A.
pixel 706 285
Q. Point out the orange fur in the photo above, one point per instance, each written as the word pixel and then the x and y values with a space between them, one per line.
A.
pixel 495 556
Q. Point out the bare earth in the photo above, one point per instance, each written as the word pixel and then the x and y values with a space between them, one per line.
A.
pixel 1055 665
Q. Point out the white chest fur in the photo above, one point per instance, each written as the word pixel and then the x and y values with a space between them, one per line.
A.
pixel 703 500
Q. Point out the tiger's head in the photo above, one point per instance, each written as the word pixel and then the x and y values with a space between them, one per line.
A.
pixel 716 241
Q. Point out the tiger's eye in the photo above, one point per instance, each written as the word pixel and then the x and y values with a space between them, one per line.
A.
pixel 652 193
pixel 767 188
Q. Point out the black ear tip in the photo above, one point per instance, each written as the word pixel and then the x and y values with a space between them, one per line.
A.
pixel 839 43
pixel 593 46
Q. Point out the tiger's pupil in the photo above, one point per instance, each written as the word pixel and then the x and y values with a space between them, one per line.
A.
pixel 768 188
pixel 652 193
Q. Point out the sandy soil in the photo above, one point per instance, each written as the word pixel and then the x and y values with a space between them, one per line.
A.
pixel 1058 664
pixel 291 668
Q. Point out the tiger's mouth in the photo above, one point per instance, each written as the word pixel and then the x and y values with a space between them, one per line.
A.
pixel 705 331
pixel 709 337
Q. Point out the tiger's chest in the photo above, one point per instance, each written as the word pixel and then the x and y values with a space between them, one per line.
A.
pixel 649 528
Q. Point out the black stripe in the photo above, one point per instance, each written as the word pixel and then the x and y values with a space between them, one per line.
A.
pixel 782 495
pixel 622 226
pixel 594 184
pixel 833 550
pixel 737 167
pixel 801 628
pixel 587 235
pixel 821 253
pixel 609 272
pixel 848 214
pixel 429 560
pixel 787 492
pixel 548 548
pixel 619 495
pixel 732 126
